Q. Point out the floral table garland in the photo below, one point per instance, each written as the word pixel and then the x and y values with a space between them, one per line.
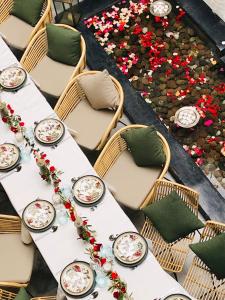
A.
pixel 52 176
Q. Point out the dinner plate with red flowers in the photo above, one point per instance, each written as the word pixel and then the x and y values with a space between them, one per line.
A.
pixel 77 279
pixel 130 249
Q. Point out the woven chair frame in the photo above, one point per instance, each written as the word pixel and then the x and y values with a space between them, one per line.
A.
pixel 46 15
pixel 10 224
pixel 6 295
pixel 73 94
pixel 200 282
pixel 38 48
pixel 171 256
pixel 114 148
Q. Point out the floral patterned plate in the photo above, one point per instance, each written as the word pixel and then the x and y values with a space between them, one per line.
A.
pixel 160 8
pixel 187 116
pixel 77 279
pixel 39 215
pixel 130 249
pixel 177 297
pixel 12 78
pixel 88 190
pixel 49 131
pixel 9 156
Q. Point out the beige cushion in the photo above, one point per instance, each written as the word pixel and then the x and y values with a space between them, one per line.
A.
pixel 16 259
pixel 16 32
pixel 131 183
pixel 90 124
pixel 99 90
pixel 51 76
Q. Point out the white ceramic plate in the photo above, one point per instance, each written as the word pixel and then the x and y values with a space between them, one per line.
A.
pixel 187 117
pixel 77 279
pixel 39 215
pixel 9 156
pixel 49 131
pixel 177 297
pixel 130 248
pixel 12 77
pixel 160 8
pixel 88 190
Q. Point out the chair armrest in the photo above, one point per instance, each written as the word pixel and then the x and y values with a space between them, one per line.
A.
pixel 9 224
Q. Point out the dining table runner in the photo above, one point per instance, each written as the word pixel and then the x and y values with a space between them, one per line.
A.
pixel 146 282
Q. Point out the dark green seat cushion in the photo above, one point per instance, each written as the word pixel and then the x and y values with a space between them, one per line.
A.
pixel 63 44
pixel 28 10
pixel 22 295
pixel 145 146
pixel 172 217
pixel 212 253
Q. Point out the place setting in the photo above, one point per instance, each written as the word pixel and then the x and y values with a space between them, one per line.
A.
pixel 12 78
pixel 10 157
pixel 88 191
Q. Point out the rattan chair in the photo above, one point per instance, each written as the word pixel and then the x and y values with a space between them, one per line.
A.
pixel 50 76
pixel 16 259
pixel 6 295
pixel 13 36
pixel 171 256
pixel 93 127
pixel 200 282
pixel 116 165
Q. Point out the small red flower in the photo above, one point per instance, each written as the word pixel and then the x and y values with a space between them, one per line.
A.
pixel 123 290
pixel 67 205
pixel 56 189
pixel 47 161
pixel 97 247
pixel 13 129
pixel 114 275
pixel 43 156
pixel 92 240
pixel 21 124
pixel 103 261
pixel 52 169
pixel 72 217
pixel 4 119
pixel 116 294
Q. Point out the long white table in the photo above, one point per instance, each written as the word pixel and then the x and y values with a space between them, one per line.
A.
pixel 148 281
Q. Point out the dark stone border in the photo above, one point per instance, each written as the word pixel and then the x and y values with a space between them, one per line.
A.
pixel 138 111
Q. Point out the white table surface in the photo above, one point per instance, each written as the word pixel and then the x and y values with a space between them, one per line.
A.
pixel 147 281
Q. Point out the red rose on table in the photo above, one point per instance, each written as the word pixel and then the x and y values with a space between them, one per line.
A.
pixel 103 261
pixel 67 205
pixel 52 169
pixel 92 240
pixel 21 124
pixel 116 294
pixel 97 247
pixel 4 119
pixel 72 217
pixel 123 290
pixel 114 275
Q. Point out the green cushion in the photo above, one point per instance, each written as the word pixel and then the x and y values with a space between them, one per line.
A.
pixel 172 217
pixel 63 44
pixel 22 295
pixel 28 10
pixel 212 253
pixel 145 146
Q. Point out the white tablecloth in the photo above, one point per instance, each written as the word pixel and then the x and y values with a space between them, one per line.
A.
pixel 148 280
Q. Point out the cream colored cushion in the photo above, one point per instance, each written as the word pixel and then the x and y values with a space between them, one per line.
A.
pixel 90 124
pixel 51 76
pixel 16 259
pixel 131 183
pixel 16 32
pixel 99 90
